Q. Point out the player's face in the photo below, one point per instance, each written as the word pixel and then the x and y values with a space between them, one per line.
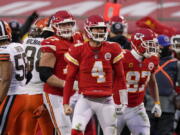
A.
pixel 65 25
pixel 98 32
pixel 65 30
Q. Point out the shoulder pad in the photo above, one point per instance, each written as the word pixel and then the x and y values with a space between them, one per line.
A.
pixel 78 44
pixel 52 38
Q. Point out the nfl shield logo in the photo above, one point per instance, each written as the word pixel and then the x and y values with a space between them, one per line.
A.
pixel 151 66
pixel 107 56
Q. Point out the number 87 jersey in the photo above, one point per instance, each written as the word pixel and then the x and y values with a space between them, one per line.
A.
pixel 137 74
pixel 94 67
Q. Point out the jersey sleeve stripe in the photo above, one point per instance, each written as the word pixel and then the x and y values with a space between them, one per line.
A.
pixel 117 58
pixel 50 46
pixel 71 59
pixel 4 57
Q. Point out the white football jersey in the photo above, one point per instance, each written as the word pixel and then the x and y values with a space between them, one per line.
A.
pixel 17 56
pixel 32 49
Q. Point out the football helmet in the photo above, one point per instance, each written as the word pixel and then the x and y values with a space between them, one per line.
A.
pixel 38 26
pixel 5 31
pixel 96 21
pixel 63 24
pixel 121 20
pixel 175 41
pixel 145 43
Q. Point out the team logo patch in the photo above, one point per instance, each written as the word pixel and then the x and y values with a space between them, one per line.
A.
pixel 107 56
pixel 130 65
pixel 151 66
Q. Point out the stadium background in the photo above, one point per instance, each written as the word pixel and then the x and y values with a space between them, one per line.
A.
pixel 165 11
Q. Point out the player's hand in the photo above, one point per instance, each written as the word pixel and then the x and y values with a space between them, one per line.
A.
pixel 156 110
pixel 120 109
pixel 39 111
pixel 67 109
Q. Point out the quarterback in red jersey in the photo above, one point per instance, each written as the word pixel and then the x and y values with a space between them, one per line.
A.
pixel 53 67
pixel 99 68
pixel 139 66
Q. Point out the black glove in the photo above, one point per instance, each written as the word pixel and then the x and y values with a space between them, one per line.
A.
pixel 28 77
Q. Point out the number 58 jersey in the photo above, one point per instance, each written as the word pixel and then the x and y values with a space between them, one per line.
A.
pixel 15 53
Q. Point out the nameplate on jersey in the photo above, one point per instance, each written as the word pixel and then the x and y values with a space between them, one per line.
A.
pixel 33 42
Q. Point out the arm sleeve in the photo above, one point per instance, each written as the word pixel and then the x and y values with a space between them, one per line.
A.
pixel 117 53
pixel 119 82
pixel 73 67
pixel 73 55
pixel 4 57
pixel 27 25
pixel 70 78
pixel 5 54
pixel 48 45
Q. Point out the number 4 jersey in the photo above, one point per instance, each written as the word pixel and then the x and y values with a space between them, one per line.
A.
pixel 137 75
pixel 15 53
pixel 95 67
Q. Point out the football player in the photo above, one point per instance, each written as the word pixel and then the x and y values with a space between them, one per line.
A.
pixel 119 20
pixel 53 67
pixel 98 66
pixel 13 73
pixel 35 86
pixel 118 28
pixel 139 66
pixel 175 40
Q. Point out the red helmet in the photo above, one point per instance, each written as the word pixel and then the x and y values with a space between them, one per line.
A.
pixel 120 19
pixel 144 42
pixel 96 21
pixel 5 31
pixel 63 24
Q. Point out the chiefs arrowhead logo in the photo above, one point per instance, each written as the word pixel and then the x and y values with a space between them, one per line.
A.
pixel 138 36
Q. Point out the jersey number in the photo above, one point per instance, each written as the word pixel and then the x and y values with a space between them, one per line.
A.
pixel 20 67
pixel 133 78
pixel 97 71
pixel 31 51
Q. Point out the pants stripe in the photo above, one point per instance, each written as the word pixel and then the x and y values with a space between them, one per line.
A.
pixel 5 112
pixel 52 114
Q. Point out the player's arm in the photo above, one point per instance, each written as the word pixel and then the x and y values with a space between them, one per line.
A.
pixel 155 94
pixel 70 78
pixel 154 88
pixel 46 66
pixel 119 84
pixel 5 78
pixel 119 88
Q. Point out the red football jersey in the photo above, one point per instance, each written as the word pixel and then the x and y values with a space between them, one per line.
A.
pixel 94 67
pixel 58 46
pixel 137 75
